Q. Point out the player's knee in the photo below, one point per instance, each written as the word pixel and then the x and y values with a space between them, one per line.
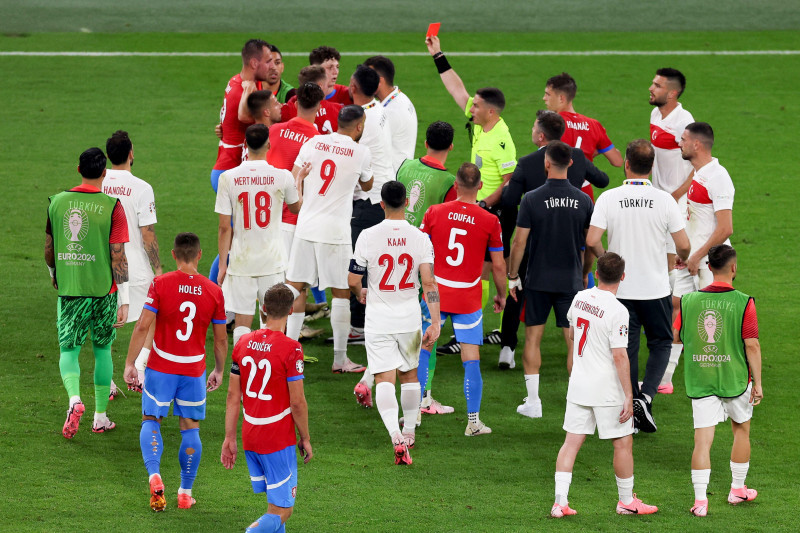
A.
pixel 145 418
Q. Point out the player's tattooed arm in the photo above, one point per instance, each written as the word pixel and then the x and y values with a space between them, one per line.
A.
pixel 119 262
pixel 151 248
pixel 432 296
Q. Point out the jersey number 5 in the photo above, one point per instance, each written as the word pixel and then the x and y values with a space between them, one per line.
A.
pixel 457 246
pixel 583 325
pixel 262 365
pixel 263 203
pixel 388 261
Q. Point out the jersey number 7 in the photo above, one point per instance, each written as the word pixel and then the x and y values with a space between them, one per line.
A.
pixel 583 325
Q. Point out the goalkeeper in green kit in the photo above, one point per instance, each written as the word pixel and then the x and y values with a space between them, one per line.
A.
pixel 428 183
pixel 84 250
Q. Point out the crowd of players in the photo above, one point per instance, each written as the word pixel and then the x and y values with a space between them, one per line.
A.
pixel 317 187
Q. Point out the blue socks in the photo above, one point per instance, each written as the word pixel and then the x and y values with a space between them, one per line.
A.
pixel 319 296
pixel 189 456
pixel 422 370
pixel 473 385
pixel 268 523
pixel 152 446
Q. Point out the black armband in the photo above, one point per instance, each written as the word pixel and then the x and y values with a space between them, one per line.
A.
pixel 355 268
pixel 235 369
pixel 441 63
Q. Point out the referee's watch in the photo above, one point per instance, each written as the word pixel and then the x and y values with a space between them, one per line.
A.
pixel 482 205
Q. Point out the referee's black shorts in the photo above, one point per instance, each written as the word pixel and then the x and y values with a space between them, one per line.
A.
pixel 508 223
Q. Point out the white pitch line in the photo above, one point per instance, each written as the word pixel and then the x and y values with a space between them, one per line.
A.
pixel 531 53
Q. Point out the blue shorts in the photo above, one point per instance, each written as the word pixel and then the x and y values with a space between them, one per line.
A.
pixel 215 174
pixel 160 389
pixel 426 315
pixel 468 328
pixel 274 473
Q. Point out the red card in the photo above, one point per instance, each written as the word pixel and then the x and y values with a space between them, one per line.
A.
pixel 433 29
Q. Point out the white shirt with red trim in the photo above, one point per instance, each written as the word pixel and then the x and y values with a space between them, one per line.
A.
pixel 711 191
pixel 670 170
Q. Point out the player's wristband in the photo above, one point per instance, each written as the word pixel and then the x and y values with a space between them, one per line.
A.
pixel 141 360
pixel 512 278
pixel 123 294
pixel 52 271
pixel 515 284
pixel 441 63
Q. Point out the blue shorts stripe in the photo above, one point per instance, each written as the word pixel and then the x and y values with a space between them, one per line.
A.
pixel 274 473
pixel 186 393
pixel 468 328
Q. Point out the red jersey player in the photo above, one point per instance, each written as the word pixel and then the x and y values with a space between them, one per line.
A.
pixel 286 139
pixel 266 382
pixel 256 63
pixel 461 233
pixel 329 58
pixel 327 118
pixel 582 132
pixel 183 304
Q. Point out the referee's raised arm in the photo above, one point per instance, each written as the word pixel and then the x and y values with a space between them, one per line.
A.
pixel 451 81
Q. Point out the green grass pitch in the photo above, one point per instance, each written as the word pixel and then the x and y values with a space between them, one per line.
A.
pixel 55 107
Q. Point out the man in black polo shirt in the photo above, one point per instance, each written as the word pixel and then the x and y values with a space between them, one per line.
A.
pixel 530 174
pixel 555 218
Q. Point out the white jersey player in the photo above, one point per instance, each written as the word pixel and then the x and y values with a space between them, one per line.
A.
pixel 394 255
pixel 250 197
pixel 667 122
pixel 599 394
pixel 322 248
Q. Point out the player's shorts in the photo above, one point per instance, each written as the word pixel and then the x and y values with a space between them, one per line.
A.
pixel 76 316
pixel 468 328
pixel 242 292
pixel 137 293
pixel 582 420
pixel 711 410
pixel 539 303
pixel 312 260
pixel 287 234
pixel 215 174
pixel 161 389
pixel 274 473
pixel 392 351
pixel 683 283
pixel 426 315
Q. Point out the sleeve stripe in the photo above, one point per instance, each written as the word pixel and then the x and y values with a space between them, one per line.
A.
pixel 150 308
pixel 500 249
pixel 295 378
pixel 215 321
pixel 604 150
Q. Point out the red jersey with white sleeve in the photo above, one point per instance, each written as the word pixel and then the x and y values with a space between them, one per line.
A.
pixel 267 361
pixel 340 95
pixel 670 170
pixel 231 148
pixel 285 141
pixel 585 133
pixel 185 305
pixel 327 119
pixel 461 233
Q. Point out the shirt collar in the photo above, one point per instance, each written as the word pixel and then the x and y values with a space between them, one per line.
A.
pixel 432 162
pixel 721 285
pixel 85 188
pixel 391 96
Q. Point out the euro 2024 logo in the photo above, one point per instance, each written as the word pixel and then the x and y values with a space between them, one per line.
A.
pixel 709 327
pixel 416 199
pixel 76 227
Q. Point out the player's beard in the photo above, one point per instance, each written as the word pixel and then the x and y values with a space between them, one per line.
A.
pixel 359 136
pixel 655 102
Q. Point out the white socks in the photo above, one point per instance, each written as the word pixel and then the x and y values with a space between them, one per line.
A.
pixel 563 480
pixel 674 357
pixel 738 474
pixel 532 384
pixel 409 399
pixel 340 323
pixel 185 491
pixel 625 489
pixel 73 400
pixel 386 402
pixel 295 292
pixel 239 332
pixel 700 481
pixel 368 379
pixel 294 323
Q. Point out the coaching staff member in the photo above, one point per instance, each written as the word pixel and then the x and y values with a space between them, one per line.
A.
pixel 639 218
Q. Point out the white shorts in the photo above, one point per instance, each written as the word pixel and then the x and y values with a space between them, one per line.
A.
pixel 138 293
pixel 287 234
pixel 392 351
pixel 241 292
pixel 711 410
pixel 310 261
pixel 683 283
pixel 582 420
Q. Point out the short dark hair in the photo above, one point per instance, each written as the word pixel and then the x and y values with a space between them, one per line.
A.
pixel 565 84
pixel 309 95
pixel 350 114
pixel 274 49
pixel 312 74
pixel 468 176
pixel 439 135
pixel 720 256
pixel 704 131
pixel 92 163
pixel 257 102
pixel 673 76
pixel 321 54
pixel 367 80
pixel 493 96
pixel 118 147
pixel 640 155
pixel 256 136
pixel 551 124
pixel 393 194
pixel 278 301
pixel 383 66
pixel 186 246
pixel 559 154
pixel 254 48
pixel 610 267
